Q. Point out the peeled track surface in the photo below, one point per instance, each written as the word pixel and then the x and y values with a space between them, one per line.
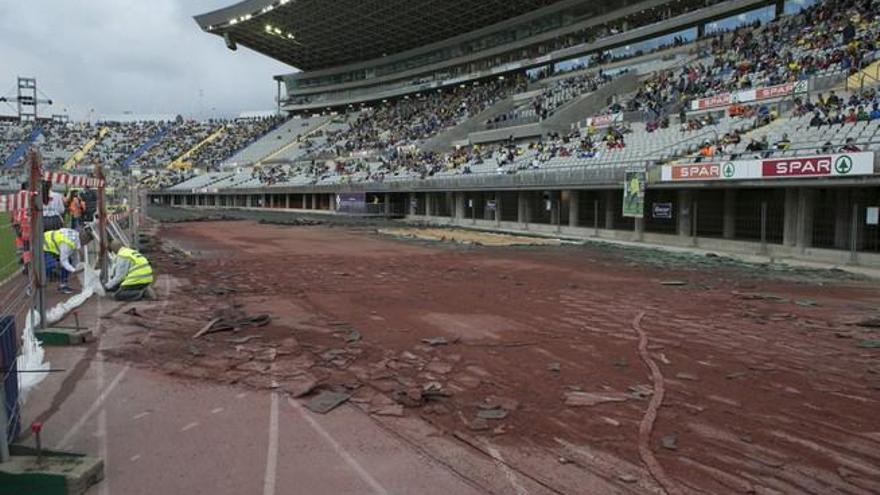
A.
pixel 647 424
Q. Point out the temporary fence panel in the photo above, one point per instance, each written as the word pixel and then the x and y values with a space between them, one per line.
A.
pixel 17 299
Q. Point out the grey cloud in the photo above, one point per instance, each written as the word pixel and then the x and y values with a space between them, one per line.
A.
pixel 145 56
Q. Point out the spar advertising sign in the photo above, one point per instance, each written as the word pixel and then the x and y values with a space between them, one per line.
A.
pixel 750 95
pixel 605 120
pixel 831 165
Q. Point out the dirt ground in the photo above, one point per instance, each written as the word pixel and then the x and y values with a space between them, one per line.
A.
pixel 771 385
pixel 468 237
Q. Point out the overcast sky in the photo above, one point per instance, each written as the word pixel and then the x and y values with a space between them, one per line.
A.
pixel 143 56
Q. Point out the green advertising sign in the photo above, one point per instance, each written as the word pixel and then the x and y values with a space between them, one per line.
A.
pixel 634 194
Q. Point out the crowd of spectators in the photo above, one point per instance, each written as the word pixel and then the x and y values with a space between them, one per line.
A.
pixel 411 120
pixel 123 139
pixel 836 35
pixel 552 96
pixel 236 135
pixel 640 19
pixel 155 179
pixel 270 174
pixel 831 109
pixel 59 140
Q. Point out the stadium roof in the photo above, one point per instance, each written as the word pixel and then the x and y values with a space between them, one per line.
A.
pixel 318 34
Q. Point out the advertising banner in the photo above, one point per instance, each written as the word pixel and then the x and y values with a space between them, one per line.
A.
pixel 661 211
pixel 750 95
pixel 634 194
pixel 351 202
pixel 605 120
pixel 831 165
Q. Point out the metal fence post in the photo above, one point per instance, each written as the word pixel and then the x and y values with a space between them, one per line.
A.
pixel 763 227
pixel 595 218
pixel 132 213
pixel 102 224
pixel 38 265
pixel 694 223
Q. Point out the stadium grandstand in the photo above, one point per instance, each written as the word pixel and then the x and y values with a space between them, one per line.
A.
pixel 754 123
pixel 478 247
pixel 752 132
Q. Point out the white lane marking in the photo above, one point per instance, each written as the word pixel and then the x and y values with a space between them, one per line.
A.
pixel 272 448
pixel 135 457
pixel 99 401
pixel 102 415
pixel 364 475
pixel 217 410
pixel 511 476
pixel 190 426
pixel 140 415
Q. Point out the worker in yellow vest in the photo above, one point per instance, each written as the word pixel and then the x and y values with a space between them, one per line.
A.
pixel 131 274
pixel 60 253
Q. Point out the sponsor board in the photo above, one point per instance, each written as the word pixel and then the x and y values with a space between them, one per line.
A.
pixel 750 95
pixel 661 211
pixel 604 120
pixel 872 215
pixel 832 165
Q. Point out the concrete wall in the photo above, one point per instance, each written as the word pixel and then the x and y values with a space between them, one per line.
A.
pixel 646 239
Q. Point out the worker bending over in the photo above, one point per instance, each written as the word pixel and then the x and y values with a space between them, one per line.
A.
pixel 60 248
pixel 131 274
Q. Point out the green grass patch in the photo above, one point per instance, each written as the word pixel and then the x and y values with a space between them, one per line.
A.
pixel 8 257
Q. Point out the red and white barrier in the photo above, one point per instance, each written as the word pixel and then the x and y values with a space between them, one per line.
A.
pixel 115 217
pixel 72 180
pixel 15 201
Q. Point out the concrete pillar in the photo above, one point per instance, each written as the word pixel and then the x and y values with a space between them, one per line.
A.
pixel 638 229
pixel 790 222
pixel 806 207
pixel 287 201
pixel 685 217
pixel 842 211
pixel 429 204
pixel 314 201
pixel 573 210
pixel 459 208
pixel 729 213
pixel 387 204
pixel 780 8
pixel 608 200
pixel 410 203
pixel 497 208
pixel 523 207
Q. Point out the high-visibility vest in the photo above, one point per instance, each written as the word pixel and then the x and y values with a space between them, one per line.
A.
pixel 139 271
pixel 53 240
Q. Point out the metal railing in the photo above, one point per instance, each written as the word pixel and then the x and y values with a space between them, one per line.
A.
pixel 864 73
